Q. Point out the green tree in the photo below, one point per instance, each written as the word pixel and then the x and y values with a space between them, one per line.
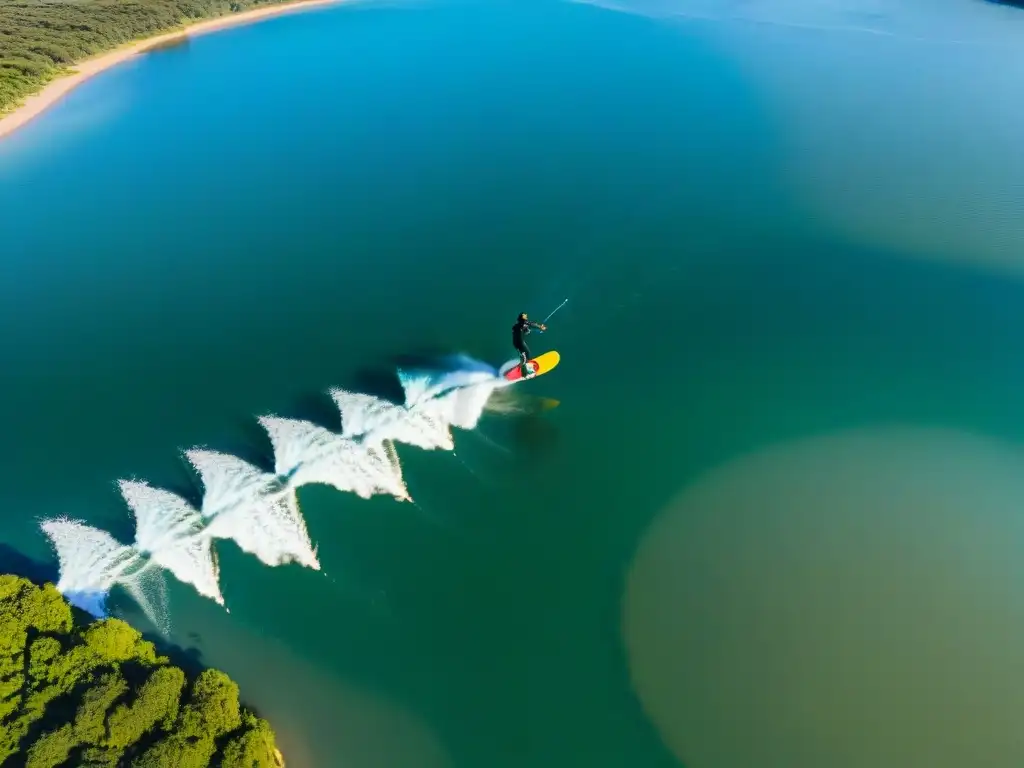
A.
pixel 179 751
pixel 156 704
pixel 99 696
pixel 252 746
pixel 42 39
pixel 51 749
pixel 25 611
pixel 212 707
pixel 91 718
pixel 100 757
pixel 114 640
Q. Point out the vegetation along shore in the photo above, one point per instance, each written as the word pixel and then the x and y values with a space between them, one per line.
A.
pixel 48 48
pixel 74 691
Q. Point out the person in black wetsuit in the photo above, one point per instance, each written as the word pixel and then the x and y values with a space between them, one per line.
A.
pixel 519 331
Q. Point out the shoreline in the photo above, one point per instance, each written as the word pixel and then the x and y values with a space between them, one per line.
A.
pixel 59 87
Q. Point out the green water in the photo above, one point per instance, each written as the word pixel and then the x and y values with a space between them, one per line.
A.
pixel 228 228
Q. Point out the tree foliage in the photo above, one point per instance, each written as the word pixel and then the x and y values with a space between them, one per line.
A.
pixel 98 695
pixel 41 39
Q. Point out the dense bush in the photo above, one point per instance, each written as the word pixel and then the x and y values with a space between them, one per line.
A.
pixel 40 39
pixel 98 695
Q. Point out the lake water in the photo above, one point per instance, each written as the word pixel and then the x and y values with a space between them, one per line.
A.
pixel 777 517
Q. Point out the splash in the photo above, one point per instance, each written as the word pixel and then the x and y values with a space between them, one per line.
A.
pixel 170 531
pixel 463 407
pixel 373 420
pixel 454 372
pixel 258 509
pixel 253 508
pixel 307 453
pixel 92 562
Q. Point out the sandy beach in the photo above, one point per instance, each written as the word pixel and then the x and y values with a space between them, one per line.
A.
pixel 54 91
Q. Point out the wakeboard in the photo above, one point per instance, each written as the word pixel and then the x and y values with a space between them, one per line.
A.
pixel 512 370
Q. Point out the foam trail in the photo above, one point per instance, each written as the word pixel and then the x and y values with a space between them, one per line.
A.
pixel 421 385
pixel 419 428
pixel 358 411
pixel 387 453
pixel 462 407
pixel 170 531
pixel 92 562
pixel 307 453
pixel 148 589
pixel 373 420
pixel 253 508
pixel 491 443
pixel 259 510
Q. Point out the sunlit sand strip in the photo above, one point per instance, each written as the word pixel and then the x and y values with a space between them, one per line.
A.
pixel 54 91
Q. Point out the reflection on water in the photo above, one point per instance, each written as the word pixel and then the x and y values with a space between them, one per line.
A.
pixel 872 149
pixel 930 21
pixel 850 600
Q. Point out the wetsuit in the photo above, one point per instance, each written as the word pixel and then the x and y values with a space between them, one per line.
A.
pixel 519 332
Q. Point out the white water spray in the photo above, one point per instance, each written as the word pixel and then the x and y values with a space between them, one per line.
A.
pixel 170 532
pixel 373 420
pixel 259 510
pixel 306 453
pixel 462 408
pixel 253 508
pixel 92 562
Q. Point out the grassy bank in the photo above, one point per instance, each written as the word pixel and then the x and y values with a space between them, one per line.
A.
pixel 40 40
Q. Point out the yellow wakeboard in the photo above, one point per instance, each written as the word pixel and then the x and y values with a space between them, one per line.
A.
pixel 512 370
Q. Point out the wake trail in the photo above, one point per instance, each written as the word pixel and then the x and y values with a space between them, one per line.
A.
pixel 259 510
pixel 92 562
pixel 493 444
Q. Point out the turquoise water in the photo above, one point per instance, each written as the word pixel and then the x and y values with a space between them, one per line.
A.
pixel 227 228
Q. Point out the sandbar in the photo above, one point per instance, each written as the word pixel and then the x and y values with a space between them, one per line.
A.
pixel 58 88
